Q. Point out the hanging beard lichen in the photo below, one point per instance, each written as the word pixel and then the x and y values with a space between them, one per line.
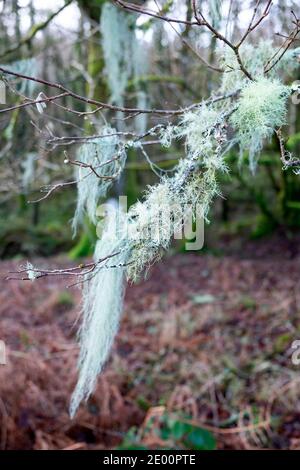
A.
pixel 261 109
pixel 254 58
pixel 146 230
pixel 103 291
pixel 142 236
pixel 23 67
pixel 125 59
pixel 215 9
pixel 117 53
pixel 102 161
pixel 28 168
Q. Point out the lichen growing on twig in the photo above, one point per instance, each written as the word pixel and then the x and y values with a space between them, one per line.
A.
pixel 100 163
pixel 261 109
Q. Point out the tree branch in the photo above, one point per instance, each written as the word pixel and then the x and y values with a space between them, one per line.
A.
pixel 58 86
pixel 32 33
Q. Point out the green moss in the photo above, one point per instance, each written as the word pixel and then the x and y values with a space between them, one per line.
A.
pixel 65 299
pixel 264 226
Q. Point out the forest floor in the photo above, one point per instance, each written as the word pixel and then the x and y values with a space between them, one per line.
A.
pixel 205 338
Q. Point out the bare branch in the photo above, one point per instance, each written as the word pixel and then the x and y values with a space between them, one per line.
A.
pixel 287 158
pixel 67 92
pixel 81 270
pixel 273 61
pixel 153 14
pixel 33 102
pixel 203 22
pixel 253 25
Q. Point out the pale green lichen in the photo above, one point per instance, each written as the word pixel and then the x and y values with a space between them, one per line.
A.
pixel 147 229
pixel 167 206
pixel 23 67
pixel 28 167
pixel 262 108
pixel 107 156
pixel 126 59
pixel 254 57
pixel 103 292
pixel 124 54
pixel 32 273
pixel 117 39
pixel 215 10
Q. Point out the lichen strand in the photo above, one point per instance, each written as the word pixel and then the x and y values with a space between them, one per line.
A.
pixel 102 161
pixel 261 109
pixel 147 229
pixel 191 190
pixel 117 53
pixel 254 58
